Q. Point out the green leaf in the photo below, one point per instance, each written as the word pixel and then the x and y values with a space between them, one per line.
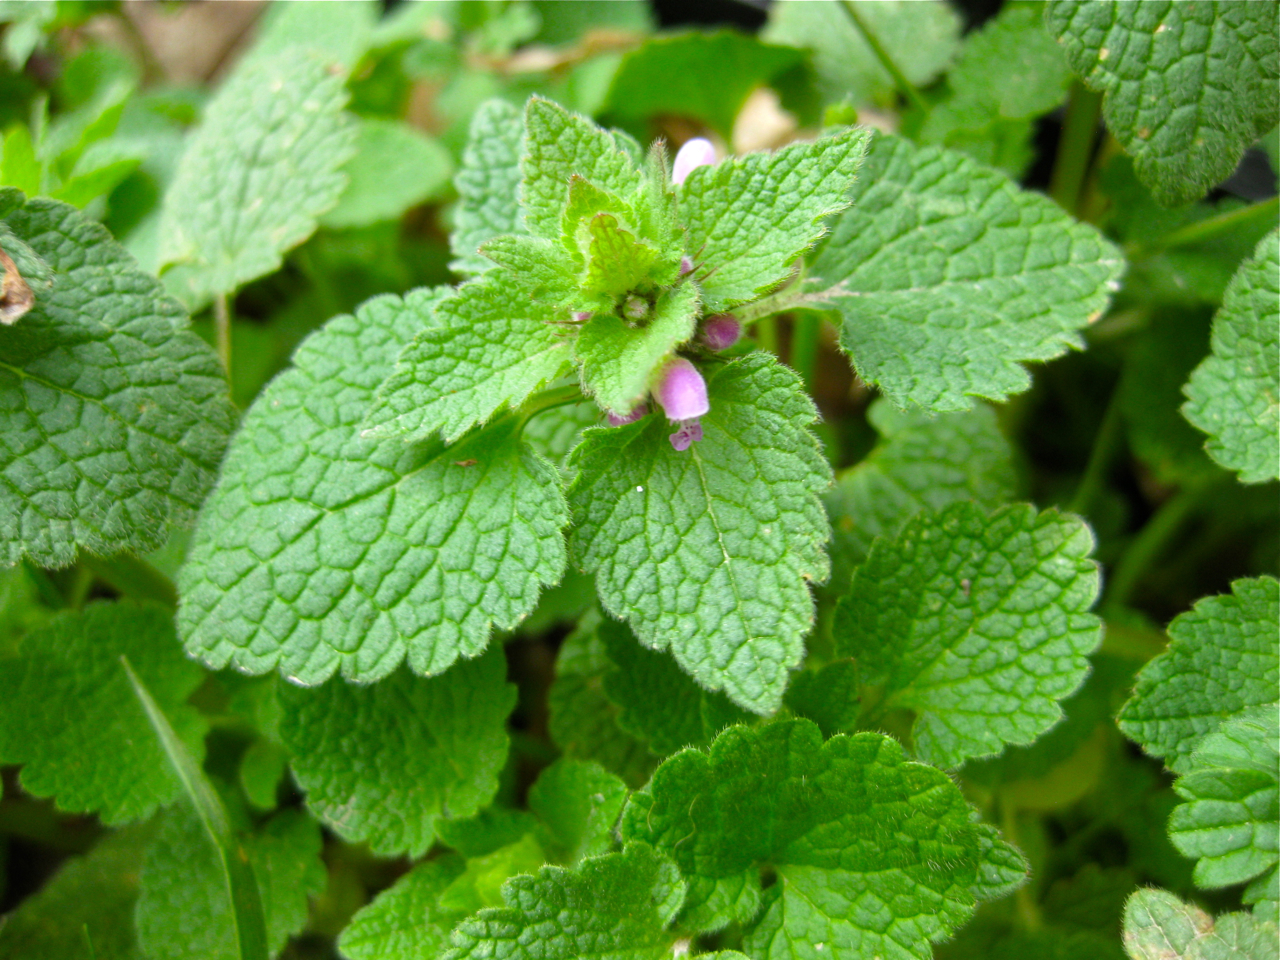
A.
pixel 94 893
pixel 339 31
pixel 1223 657
pixel 71 718
pixel 952 275
pixel 705 76
pixel 182 911
pixel 488 183
pixel 583 722
pixel 874 856
pixel 115 416
pixel 322 550
pixel 920 37
pixel 395 167
pixel 749 218
pixel 618 359
pixel 710 551
pixel 241 890
pixel 657 701
pixel 19 166
pixel 580 803
pixel 1188 87
pixel 1009 72
pixel 388 788
pixel 1001 867
pixel 617 906
pixel 617 261
pixel 557 145
pixel 265 162
pixel 405 921
pixel 979 623
pixel 1234 395
pixel 1159 926
pixel 922 462
pixel 481 883
pixel 489 347
pixel 1231 820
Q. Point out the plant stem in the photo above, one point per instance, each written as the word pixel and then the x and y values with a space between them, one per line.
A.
pixel 1075 147
pixel 900 80
pixel 1212 227
pixel 1153 538
pixel 766 334
pixel 1105 445
pixel 1028 910
pixel 804 347
pixel 222 331
pixel 133 577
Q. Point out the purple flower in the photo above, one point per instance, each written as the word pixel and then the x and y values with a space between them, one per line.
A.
pixel 621 421
pixel 695 153
pixel 720 331
pixel 690 431
pixel 680 389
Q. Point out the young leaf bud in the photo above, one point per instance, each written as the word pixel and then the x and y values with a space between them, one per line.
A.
pixel 695 153
pixel 720 331
pixel 680 389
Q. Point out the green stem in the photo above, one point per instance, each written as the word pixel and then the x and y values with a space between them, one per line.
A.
pixel 1027 908
pixel 804 347
pixel 222 331
pixel 1210 228
pixel 50 595
pixel 765 332
pixel 1151 540
pixel 133 577
pixel 546 400
pixel 1105 446
pixel 1075 147
pixel 900 80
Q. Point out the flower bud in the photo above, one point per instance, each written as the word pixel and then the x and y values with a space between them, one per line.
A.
pixel 695 153
pixel 720 331
pixel 686 266
pixel 582 316
pixel 680 389
pixel 621 421
pixel 635 308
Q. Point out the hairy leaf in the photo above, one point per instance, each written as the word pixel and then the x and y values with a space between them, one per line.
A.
pixel 1234 395
pixel 1231 820
pixel 617 907
pixel 922 462
pixel 265 162
pixel 321 550
pixel 874 855
pixel 979 623
pixel 113 417
pixel 1188 86
pixel 1159 926
pixel 405 921
pixel 388 788
pixel 951 276
pixel 710 551
pixel 1223 657
pixel 488 183
pixel 70 716
pixel 183 912
pixel 749 218
pixel 488 347
pixel 557 145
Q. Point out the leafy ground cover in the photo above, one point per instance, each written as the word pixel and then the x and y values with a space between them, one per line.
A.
pixel 510 480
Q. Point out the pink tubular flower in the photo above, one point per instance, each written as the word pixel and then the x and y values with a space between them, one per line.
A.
pixel 697 152
pixel 621 421
pixel 680 389
pixel 720 331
